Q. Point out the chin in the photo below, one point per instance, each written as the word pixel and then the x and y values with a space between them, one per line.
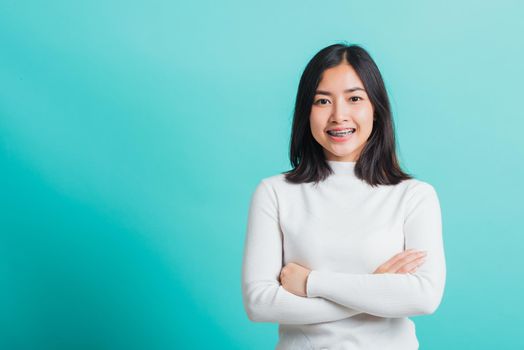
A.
pixel 347 154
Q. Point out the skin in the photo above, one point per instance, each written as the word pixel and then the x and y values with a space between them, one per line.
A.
pixel 335 106
pixel 293 277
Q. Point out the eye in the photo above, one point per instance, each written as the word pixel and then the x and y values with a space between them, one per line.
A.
pixel 321 101
pixel 355 98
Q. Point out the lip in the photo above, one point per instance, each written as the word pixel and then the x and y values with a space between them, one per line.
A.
pixel 340 138
pixel 340 129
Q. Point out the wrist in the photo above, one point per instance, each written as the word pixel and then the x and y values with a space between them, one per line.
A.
pixel 308 284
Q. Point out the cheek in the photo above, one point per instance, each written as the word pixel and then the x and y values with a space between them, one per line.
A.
pixel 364 118
pixel 317 123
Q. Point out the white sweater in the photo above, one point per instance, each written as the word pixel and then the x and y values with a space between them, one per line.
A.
pixel 342 230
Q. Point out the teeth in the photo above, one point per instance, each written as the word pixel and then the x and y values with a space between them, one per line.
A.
pixel 341 133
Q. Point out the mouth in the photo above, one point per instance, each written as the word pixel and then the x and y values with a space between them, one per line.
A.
pixel 342 135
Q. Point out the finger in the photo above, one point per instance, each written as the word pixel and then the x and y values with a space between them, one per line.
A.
pixel 398 256
pixel 412 265
pixel 415 269
pixel 405 260
pixel 408 259
pixel 387 265
pixel 412 270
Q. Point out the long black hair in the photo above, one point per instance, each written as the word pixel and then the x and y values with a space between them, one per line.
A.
pixel 377 164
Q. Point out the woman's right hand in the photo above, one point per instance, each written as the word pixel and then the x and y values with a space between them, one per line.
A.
pixel 404 262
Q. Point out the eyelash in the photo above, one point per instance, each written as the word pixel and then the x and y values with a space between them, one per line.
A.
pixel 325 99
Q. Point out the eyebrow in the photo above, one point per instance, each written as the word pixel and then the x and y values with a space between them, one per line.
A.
pixel 322 92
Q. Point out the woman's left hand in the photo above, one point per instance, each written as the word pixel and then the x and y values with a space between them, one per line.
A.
pixel 293 278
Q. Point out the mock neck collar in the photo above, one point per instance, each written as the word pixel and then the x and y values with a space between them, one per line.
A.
pixel 342 168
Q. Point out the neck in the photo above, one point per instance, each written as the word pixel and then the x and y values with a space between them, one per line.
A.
pixel 342 168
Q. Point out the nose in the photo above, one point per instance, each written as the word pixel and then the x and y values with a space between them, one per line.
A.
pixel 340 112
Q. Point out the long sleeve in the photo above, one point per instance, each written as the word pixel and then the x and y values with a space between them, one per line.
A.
pixel 392 294
pixel 265 300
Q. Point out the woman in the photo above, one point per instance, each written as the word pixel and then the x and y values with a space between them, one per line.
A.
pixel 344 247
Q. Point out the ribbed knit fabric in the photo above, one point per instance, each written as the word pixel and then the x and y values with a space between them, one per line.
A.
pixel 342 229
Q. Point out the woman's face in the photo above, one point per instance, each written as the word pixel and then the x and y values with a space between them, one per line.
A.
pixel 341 103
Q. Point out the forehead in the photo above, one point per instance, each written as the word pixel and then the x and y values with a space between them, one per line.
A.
pixel 339 78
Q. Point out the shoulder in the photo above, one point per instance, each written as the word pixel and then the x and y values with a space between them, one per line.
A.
pixel 275 181
pixel 279 185
pixel 418 191
pixel 271 183
pixel 274 186
pixel 417 186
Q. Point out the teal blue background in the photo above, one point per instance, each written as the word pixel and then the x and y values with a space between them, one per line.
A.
pixel 133 133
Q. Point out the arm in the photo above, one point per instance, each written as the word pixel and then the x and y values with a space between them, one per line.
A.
pixel 391 294
pixel 265 300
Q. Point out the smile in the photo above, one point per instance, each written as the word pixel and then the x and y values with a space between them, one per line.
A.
pixel 340 133
pixel 341 136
